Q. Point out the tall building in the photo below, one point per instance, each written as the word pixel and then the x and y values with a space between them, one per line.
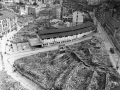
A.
pixel 8 22
pixel 77 17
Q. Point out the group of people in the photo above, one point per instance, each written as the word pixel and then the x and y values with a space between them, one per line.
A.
pixel 64 39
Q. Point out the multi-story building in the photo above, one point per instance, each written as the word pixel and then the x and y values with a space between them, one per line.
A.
pixel 8 22
pixel 24 10
pixel 49 37
pixel 34 10
pixel 77 17
pixel 111 25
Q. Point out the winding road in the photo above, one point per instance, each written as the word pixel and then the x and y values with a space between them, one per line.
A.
pixel 9 61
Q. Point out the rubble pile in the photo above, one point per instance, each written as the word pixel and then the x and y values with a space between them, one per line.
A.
pixel 8 83
pixel 83 66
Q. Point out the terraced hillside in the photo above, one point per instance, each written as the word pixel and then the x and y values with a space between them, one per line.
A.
pixel 82 66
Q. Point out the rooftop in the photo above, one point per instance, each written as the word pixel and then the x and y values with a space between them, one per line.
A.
pixel 6 14
pixel 34 42
pixel 68 31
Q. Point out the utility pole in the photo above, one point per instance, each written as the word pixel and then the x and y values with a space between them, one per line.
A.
pixel 61 15
pixel 49 20
pixel 117 64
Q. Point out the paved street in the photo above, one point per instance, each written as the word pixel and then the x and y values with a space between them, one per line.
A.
pixel 108 43
pixel 8 37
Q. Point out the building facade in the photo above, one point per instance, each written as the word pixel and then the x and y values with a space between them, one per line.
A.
pixel 8 22
pixel 77 17
pixel 24 10
pixel 50 37
pixel 112 26
pixel 8 2
pixel 39 2
pixel 34 10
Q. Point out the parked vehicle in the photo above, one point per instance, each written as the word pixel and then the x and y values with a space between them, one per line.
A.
pixel 112 50
pixel 62 47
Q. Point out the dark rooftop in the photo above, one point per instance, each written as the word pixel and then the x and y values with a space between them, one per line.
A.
pixel 68 31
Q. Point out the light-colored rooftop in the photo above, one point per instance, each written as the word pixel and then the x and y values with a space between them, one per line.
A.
pixel 6 14
pixel 34 42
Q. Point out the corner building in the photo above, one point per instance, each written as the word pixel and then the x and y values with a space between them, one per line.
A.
pixel 8 22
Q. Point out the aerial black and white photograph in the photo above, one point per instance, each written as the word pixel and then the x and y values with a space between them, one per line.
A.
pixel 59 44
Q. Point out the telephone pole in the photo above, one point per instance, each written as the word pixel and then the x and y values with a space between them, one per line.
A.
pixel 61 14
pixel 117 64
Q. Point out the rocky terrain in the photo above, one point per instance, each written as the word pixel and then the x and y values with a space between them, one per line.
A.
pixel 8 83
pixel 82 66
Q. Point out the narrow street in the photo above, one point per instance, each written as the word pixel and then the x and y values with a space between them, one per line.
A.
pixel 108 43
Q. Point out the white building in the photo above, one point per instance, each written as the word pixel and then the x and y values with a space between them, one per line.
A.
pixel 77 17
pixel 24 10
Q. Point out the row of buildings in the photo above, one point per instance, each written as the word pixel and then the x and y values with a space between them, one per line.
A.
pixel 109 18
pixel 24 7
pixel 53 12
pixel 38 2
pixel 10 2
pixel 61 35
pixel 8 19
